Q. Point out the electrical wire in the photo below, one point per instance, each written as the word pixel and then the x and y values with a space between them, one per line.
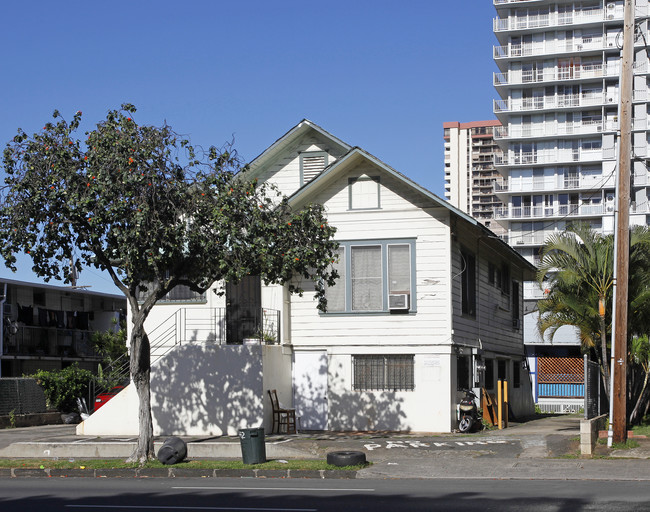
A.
pixel 571 212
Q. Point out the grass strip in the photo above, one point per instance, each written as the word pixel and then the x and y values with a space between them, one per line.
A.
pixel 297 464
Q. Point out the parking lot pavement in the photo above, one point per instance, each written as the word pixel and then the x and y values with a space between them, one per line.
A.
pixel 523 451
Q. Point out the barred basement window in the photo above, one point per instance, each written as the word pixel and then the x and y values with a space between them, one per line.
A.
pixel 383 372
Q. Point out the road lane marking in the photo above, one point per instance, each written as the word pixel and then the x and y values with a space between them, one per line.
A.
pixel 180 507
pixel 273 489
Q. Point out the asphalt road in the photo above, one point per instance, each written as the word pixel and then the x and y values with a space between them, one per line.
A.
pixel 277 495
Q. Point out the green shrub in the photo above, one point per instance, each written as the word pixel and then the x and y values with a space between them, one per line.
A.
pixel 110 345
pixel 62 387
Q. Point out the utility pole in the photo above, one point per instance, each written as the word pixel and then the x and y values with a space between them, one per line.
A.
pixel 619 393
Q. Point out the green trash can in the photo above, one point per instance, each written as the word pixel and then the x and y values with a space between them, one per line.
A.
pixel 253 449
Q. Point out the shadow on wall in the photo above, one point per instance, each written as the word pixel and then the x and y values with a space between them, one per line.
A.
pixel 347 409
pixel 205 389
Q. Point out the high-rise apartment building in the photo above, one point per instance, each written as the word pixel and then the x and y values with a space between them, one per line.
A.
pixel 470 174
pixel 558 86
pixel 558 82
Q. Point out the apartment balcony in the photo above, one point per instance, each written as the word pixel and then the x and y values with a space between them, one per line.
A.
pixel 560 19
pixel 556 74
pixel 640 180
pixel 50 342
pixel 503 2
pixel 557 183
pixel 553 130
pixel 554 157
pixel 545 212
pixel 536 238
pixel 551 47
pixel 554 102
pixel 643 207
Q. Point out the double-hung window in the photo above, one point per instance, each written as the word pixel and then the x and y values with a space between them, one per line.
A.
pixel 468 283
pixel 179 294
pixel 374 276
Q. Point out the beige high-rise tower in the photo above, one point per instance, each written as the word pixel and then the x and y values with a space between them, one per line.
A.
pixel 470 173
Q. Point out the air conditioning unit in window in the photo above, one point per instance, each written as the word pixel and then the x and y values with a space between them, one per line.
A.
pixel 516 323
pixel 398 301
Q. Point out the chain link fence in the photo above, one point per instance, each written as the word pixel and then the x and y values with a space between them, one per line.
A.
pixel 21 396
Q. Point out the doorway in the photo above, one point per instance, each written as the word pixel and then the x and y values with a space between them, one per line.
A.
pixel 310 389
pixel 243 309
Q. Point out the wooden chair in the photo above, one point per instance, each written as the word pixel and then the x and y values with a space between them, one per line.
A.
pixel 282 417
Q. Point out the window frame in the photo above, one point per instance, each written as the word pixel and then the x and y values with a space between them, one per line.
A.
pixel 391 367
pixel 348 247
pixel 196 298
pixel 363 178
pixel 468 285
pixel 311 154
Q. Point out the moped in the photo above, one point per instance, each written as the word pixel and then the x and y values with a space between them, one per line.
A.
pixel 468 415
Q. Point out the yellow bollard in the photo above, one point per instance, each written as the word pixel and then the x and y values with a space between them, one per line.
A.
pixel 499 404
pixel 506 404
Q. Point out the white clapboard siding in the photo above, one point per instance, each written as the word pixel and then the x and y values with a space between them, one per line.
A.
pixel 398 218
pixel 284 172
pixel 492 323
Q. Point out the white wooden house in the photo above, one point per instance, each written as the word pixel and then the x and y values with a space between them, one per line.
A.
pixel 428 302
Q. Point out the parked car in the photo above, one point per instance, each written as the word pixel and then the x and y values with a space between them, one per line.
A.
pixel 102 398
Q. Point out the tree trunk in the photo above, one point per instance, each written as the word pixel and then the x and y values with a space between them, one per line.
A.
pixel 641 403
pixel 604 363
pixel 140 374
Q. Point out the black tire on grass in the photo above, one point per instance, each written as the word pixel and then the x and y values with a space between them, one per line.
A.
pixel 350 458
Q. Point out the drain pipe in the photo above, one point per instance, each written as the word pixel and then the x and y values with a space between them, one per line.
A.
pixel 2 324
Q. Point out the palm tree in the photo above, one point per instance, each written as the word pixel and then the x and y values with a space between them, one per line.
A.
pixel 576 268
pixel 639 323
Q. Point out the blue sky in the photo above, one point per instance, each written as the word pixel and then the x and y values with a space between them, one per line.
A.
pixel 382 75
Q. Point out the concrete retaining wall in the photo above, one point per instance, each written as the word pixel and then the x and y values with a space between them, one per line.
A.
pixel 589 433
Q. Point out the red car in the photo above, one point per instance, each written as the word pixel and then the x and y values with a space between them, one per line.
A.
pixel 102 398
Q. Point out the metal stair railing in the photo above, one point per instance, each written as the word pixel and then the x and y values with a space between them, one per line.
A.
pixel 120 369
pixel 185 325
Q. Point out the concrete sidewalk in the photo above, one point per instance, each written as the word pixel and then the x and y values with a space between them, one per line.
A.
pixel 523 451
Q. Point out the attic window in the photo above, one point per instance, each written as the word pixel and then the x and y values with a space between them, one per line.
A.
pixel 311 164
pixel 364 192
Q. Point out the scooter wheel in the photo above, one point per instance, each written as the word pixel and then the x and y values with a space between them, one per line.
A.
pixel 465 424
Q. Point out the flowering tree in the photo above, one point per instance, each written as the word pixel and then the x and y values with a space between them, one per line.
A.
pixel 144 205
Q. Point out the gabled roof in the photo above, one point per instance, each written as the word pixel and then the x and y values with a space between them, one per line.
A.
pixel 356 154
pixel 353 156
pixel 289 138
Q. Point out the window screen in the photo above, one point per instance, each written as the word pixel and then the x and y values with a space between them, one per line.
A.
pixel 336 293
pixel 366 278
pixel 399 269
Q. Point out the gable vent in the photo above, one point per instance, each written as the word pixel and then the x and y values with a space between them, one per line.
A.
pixel 312 165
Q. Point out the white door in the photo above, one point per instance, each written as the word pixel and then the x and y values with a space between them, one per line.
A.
pixel 310 389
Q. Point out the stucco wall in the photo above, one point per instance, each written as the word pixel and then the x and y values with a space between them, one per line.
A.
pixel 201 389
pixel 424 409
